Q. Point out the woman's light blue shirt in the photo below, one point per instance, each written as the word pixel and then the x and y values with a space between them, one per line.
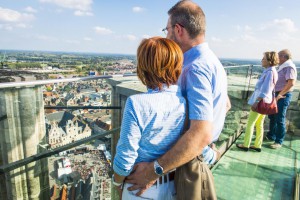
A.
pixel 152 123
pixel 265 86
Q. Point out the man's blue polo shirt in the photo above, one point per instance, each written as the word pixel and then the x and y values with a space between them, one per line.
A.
pixel 203 82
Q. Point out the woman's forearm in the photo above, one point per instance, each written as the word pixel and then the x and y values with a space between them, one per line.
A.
pixel 119 178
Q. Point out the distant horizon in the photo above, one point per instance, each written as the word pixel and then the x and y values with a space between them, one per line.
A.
pixel 120 54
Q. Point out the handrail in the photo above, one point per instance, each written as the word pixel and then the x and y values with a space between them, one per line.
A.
pixel 239 66
pixel 52 81
pixel 25 161
pixel 83 107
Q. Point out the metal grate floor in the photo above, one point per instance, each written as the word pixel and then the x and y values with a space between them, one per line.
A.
pixel 269 174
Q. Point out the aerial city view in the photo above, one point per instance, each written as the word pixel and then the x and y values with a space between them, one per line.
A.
pixel 88 165
pixel 67 68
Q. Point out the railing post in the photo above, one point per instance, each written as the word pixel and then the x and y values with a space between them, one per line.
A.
pixel 121 90
pixel 249 75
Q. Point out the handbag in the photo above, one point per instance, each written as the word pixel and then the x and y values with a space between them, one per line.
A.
pixel 194 180
pixel 267 108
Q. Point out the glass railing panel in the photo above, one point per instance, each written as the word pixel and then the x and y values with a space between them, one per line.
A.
pixel 48 130
pixel 84 170
pixel 241 83
pixel 240 79
pixel 77 116
pixel 87 106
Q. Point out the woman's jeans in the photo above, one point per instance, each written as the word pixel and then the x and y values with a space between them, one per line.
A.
pixel 277 121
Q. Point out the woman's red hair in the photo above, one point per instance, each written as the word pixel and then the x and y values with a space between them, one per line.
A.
pixel 159 61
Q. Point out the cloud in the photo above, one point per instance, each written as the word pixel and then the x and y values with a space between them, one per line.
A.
pixel 245 28
pixel 137 9
pixel 8 15
pixel 83 13
pixel 6 27
pixel 285 24
pixel 87 39
pixel 131 37
pixel 11 19
pixel 30 9
pixel 146 36
pixel 46 38
pixel 102 30
pixel 281 25
pixel 215 39
pixel 286 38
pixel 81 7
pixel 248 38
pixel 22 25
pixel 72 41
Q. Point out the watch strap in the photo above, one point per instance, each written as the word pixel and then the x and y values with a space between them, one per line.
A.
pixel 158 169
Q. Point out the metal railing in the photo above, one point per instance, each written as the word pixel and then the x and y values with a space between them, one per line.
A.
pixel 11 166
pixel 82 107
pixel 51 152
pixel 52 81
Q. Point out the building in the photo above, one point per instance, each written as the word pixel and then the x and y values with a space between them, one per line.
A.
pixel 64 128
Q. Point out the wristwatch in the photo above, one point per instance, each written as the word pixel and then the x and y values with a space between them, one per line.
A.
pixel 116 183
pixel 159 170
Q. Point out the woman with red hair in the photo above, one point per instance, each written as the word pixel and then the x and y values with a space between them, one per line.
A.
pixel 152 121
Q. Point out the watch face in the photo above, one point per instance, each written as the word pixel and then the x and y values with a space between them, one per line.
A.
pixel 159 170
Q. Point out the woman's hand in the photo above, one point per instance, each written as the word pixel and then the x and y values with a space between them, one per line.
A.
pixel 254 106
pixel 213 147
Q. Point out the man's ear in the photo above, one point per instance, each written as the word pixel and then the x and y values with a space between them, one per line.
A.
pixel 179 29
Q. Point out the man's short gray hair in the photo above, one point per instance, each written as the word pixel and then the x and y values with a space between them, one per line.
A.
pixel 287 53
pixel 189 15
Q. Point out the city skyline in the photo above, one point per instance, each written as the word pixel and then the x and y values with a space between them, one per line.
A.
pixel 235 29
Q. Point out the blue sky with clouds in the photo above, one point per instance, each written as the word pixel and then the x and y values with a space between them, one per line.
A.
pixel 235 28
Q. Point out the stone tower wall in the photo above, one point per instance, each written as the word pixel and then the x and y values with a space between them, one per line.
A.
pixel 22 129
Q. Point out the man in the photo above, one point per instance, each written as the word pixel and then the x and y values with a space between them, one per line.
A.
pixel 287 76
pixel 204 83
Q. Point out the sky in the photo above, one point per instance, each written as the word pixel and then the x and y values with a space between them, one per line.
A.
pixel 241 29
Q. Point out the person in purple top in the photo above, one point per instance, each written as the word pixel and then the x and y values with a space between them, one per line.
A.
pixel 287 76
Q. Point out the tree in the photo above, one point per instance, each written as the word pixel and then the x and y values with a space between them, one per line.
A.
pixel 49 88
pixel 67 88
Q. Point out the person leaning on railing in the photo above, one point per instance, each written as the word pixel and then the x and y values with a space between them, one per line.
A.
pixel 263 90
pixel 152 121
pixel 287 76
